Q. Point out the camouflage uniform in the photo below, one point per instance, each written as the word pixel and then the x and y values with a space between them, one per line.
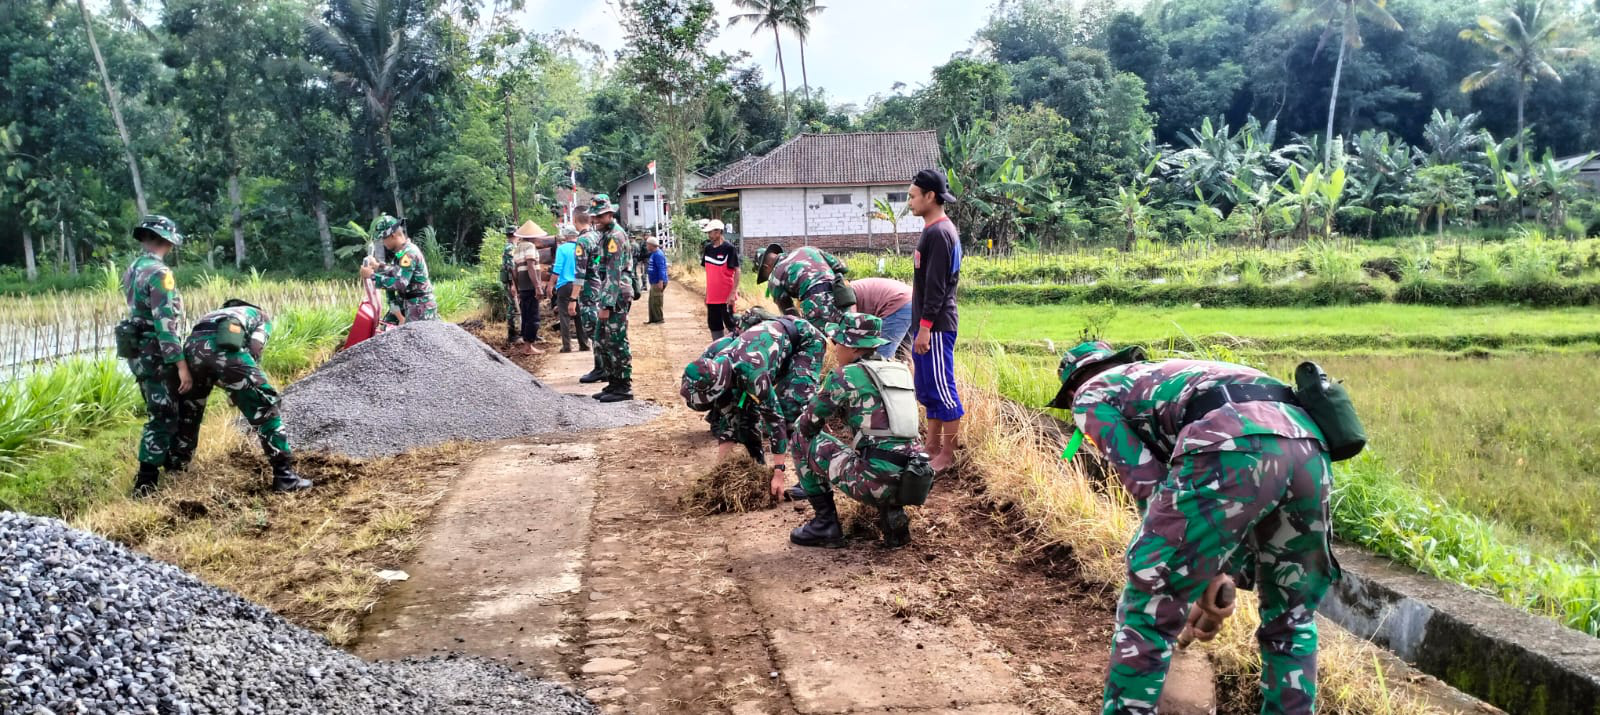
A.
pixel 238 372
pixel 771 379
pixel 616 274
pixel 1244 491
pixel 805 276
pixel 850 465
pixel 589 278
pixel 507 282
pixel 156 308
pixel 404 276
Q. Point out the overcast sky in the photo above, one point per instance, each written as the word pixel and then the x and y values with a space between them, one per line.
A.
pixel 857 47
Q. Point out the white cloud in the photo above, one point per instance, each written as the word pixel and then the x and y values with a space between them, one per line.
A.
pixel 857 47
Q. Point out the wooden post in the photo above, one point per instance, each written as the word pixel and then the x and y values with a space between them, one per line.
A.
pixel 511 162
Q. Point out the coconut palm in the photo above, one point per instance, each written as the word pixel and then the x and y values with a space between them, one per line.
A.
pixel 114 101
pixel 1526 43
pixel 800 12
pixel 383 52
pixel 1340 16
pixel 773 15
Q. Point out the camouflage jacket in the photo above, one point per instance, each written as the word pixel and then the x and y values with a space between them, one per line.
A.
pixel 849 395
pixel 615 264
pixel 588 276
pixel 507 268
pixel 802 269
pixel 153 301
pixel 405 276
pixel 757 356
pixel 1131 411
pixel 251 320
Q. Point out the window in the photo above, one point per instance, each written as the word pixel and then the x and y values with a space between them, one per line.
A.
pixel 650 197
pixel 899 197
pixel 835 199
pixel 635 207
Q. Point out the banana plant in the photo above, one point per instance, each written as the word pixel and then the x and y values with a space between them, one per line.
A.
pixel 882 210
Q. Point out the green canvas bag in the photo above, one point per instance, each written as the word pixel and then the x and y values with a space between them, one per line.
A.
pixel 1330 407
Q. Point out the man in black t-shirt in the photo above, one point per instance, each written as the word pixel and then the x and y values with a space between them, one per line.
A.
pixel 721 261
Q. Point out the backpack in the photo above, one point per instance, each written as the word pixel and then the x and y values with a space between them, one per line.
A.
pixel 1329 405
pixel 893 380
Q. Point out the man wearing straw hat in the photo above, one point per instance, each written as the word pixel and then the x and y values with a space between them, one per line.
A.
pixel 149 339
pixel 530 284
pixel 880 462
pixel 404 276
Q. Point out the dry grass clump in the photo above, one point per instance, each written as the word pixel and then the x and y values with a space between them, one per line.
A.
pixel 310 556
pixel 1058 501
pixel 734 486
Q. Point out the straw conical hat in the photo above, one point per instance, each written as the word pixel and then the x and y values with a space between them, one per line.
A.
pixel 529 229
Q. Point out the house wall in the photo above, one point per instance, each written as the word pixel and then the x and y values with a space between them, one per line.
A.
pixel 797 217
pixel 645 217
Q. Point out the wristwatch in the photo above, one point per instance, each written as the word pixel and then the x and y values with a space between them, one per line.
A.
pixel 780 467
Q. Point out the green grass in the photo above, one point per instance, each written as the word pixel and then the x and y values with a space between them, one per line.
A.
pixel 1347 328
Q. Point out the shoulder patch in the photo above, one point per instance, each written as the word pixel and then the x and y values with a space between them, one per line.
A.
pixel 234 328
pixel 167 281
pixel 405 261
pixel 612 246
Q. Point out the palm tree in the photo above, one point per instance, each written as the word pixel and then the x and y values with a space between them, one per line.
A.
pixel 800 12
pixel 383 52
pixel 774 15
pixel 1341 15
pixel 1525 43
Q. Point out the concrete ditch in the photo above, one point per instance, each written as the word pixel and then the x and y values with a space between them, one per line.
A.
pixel 1514 660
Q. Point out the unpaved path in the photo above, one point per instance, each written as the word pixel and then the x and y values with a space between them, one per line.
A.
pixel 568 556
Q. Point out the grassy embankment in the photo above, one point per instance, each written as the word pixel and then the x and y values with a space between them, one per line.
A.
pixel 68 435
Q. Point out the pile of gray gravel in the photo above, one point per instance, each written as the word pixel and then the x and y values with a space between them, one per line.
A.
pixel 87 626
pixel 428 383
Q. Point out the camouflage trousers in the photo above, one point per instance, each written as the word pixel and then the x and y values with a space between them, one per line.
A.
pixel 513 318
pixel 1272 501
pixel 589 325
pixel 423 308
pixel 827 462
pixel 237 373
pixel 610 343
pixel 158 384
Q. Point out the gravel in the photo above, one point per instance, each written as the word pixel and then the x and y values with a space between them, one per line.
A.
pixel 428 383
pixel 87 626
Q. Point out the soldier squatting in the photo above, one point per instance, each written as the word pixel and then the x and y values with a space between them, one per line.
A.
pixel 1230 469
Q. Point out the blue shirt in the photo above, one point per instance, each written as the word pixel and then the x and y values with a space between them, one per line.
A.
pixel 658 268
pixel 566 265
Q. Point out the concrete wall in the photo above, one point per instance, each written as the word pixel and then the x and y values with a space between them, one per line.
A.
pixel 645 216
pixel 803 217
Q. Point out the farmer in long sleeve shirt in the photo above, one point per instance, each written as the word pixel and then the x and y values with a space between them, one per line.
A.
pixel 658 281
pixel 937 262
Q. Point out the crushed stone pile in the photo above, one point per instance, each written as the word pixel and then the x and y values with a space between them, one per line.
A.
pixel 87 626
pixel 428 383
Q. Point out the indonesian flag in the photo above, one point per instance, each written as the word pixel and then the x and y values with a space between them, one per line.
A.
pixel 652 168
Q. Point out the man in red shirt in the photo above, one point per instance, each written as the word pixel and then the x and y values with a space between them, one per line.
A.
pixel 721 261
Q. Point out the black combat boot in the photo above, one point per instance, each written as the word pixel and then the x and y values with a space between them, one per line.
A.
pixel 795 493
pixel 283 477
pixel 896 527
pixel 617 391
pixel 177 462
pixel 823 529
pixel 591 377
pixel 144 483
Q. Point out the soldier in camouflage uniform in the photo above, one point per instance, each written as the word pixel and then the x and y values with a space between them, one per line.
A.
pixel 615 266
pixel 805 276
pixel 151 341
pixel 404 275
pixel 508 276
pixel 225 349
pixel 589 280
pixel 880 448
pixel 763 379
pixel 1234 479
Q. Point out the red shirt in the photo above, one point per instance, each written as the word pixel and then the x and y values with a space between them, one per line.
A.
pixel 722 272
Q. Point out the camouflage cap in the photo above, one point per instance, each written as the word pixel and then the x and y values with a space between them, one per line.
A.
pixel 161 227
pixel 1075 366
pixel 858 330
pixel 704 380
pixel 238 303
pixel 511 229
pixel 764 268
pixel 601 205
pixel 753 317
pixel 385 226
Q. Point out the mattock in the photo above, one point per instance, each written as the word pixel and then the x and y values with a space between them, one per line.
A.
pixel 1207 615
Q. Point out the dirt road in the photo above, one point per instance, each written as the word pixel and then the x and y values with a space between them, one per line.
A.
pixel 569 557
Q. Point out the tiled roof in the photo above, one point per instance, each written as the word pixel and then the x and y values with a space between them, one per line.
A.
pixel 873 158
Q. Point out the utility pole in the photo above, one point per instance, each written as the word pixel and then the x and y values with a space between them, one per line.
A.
pixel 511 161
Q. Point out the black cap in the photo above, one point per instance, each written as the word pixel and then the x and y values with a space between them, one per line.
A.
pixel 933 180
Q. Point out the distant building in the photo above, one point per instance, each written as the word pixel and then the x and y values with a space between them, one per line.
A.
pixel 1589 173
pixel 636 198
pixel 819 190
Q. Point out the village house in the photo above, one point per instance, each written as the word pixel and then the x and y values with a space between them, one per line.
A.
pixel 820 190
pixel 636 198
